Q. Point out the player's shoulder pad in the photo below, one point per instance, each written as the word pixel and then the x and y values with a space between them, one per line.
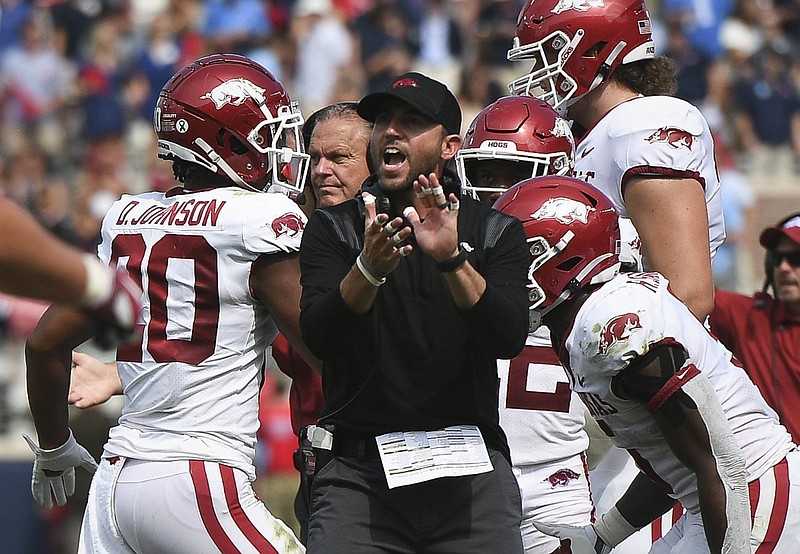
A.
pixel 621 320
pixel 271 220
pixel 651 114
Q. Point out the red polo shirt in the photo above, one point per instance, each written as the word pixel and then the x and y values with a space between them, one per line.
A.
pixel 765 337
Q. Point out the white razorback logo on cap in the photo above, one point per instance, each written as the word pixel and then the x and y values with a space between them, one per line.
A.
pixel 563 210
pixel 233 91
pixel 577 5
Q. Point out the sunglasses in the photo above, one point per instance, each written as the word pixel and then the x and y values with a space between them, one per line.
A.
pixel 775 258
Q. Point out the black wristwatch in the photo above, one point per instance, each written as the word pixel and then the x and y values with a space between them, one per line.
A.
pixel 453 263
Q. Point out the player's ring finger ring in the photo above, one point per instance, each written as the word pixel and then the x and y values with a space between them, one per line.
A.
pixel 443 205
pixel 396 238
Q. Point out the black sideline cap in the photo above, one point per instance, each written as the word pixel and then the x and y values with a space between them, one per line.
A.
pixel 428 96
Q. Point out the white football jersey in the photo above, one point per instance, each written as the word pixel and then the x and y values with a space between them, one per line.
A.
pixel 541 416
pixel 191 384
pixel 625 318
pixel 652 135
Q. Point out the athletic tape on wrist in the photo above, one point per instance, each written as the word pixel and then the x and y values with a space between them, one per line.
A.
pixel 613 528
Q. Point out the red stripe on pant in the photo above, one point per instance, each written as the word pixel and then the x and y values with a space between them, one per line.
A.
pixel 780 507
pixel 197 469
pixel 243 522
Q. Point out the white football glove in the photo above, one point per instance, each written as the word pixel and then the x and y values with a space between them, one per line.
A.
pixel 54 470
pixel 582 540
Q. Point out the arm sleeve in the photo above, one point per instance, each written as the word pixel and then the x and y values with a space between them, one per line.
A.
pixel 499 320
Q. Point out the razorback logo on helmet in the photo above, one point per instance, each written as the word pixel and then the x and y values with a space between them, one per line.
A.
pixel 288 224
pixel 407 82
pixel 561 128
pixel 563 210
pixel 562 477
pixel 617 329
pixel 673 136
pixel 577 5
pixel 232 91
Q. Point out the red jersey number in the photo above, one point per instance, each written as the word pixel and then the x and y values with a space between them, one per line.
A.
pixel 519 397
pixel 131 249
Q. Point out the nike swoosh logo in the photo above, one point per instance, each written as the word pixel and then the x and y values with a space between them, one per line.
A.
pixel 682 374
pixel 587 152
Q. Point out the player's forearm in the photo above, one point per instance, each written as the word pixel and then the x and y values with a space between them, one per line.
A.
pixel 34 263
pixel 712 493
pixel 643 502
pixel 48 385
pixel 48 358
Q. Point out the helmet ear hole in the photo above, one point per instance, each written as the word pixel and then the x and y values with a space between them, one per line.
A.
pixel 236 146
pixel 567 265
pixel 595 50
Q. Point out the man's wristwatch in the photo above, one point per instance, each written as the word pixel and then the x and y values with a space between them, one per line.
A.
pixel 454 263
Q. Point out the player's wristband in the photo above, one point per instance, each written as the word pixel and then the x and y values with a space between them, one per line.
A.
pixel 372 275
pixel 99 282
pixel 613 528
pixel 453 263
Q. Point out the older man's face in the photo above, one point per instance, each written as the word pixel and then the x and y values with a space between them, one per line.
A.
pixel 338 150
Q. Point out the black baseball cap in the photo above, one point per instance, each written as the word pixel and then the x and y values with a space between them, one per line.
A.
pixel 428 96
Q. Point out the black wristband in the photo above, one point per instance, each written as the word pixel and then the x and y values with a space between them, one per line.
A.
pixel 453 263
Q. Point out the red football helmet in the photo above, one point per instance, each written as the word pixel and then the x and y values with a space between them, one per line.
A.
pixel 227 113
pixel 517 129
pixel 573 236
pixel 576 44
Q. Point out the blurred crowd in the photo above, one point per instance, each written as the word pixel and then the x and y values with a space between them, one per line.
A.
pixel 79 80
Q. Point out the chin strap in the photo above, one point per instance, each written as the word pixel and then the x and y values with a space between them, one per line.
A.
pixel 217 160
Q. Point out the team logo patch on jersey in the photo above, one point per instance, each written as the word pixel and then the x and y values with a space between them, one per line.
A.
pixel 673 136
pixel 618 329
pixel 577 5
pixel 563 210
pixel 232 91
pixel 562 477
pixel 288 224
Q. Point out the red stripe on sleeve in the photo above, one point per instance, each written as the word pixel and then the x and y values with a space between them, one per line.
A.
pixel 683 376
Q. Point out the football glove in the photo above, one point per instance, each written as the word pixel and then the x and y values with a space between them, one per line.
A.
pixel 578 540
pixel 54 470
